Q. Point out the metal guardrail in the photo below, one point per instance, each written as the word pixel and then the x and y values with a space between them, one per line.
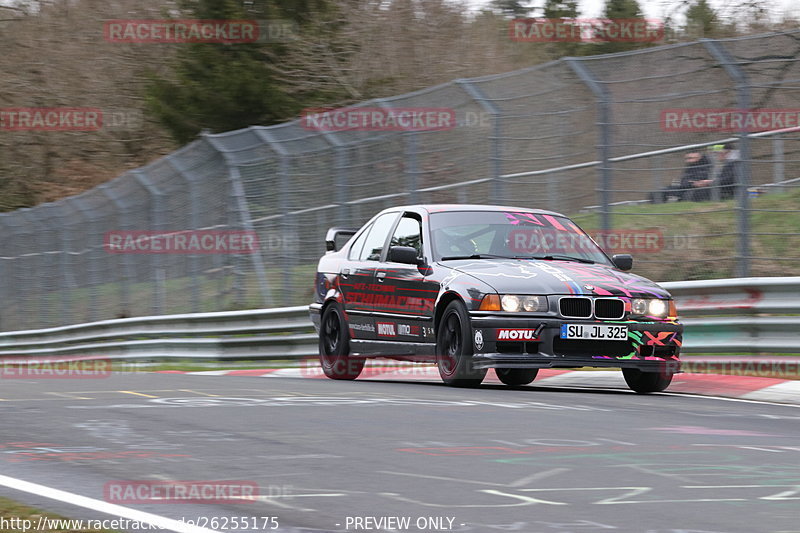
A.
pixel 739 315
pixel 742 315
pixel 259 334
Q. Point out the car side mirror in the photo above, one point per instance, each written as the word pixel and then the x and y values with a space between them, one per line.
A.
pixel 337 237
pixel 404 254
pixel 622 261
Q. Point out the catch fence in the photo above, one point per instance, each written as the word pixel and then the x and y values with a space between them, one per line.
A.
pixel 582 136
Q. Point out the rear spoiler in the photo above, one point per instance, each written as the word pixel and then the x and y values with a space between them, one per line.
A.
pixel 338 236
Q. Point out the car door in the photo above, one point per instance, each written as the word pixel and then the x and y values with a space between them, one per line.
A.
pixel 404 303
pixel 357 275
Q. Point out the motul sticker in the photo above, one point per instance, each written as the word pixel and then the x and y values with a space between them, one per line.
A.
pixel 517 335
pixel 386 329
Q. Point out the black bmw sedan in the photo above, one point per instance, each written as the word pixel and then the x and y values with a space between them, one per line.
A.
pixel 473 287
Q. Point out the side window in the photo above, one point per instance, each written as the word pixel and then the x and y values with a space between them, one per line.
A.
pixel 355 250
pixel 408 233
pixel 373 246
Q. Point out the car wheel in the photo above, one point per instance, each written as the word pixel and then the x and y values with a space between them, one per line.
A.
pixel 454 348
pixel 644 382
pixel 334 346
pixel 514 377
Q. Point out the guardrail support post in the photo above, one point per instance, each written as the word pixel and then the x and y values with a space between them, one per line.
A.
pixel 743 101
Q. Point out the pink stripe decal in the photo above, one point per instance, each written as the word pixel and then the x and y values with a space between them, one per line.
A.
pixel 556 224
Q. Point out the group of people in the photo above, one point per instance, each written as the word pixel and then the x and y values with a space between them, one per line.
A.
pixel 701 177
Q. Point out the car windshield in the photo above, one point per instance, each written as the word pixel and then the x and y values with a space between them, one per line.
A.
pixel 512 234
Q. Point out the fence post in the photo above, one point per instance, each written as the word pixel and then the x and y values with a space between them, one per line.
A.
pixel 194 222
pixel 656 168
pixel 156 221
pixel 497 190
pixel 284 177
pixel 778 161
pixel 127 270
pixel 411 152
pixel 604 135
pixel 238 193
pixel 4 292
pixel 63 262
pixel 342 179
pixel 91 263
pixel 39 226
pixel 743 102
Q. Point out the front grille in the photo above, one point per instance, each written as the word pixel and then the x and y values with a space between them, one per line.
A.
pixel 589 348
pixel 575 307
pixel 609 308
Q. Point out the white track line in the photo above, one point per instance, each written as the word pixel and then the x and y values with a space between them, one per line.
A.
pixel 101 506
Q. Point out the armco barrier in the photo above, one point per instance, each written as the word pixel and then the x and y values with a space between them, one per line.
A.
pixel 739 315
pixel 261 333
pixel 742 315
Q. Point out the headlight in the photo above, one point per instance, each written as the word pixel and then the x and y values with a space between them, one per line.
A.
pixel 639 306
pixel 510 303
pixel 514 303
pixel 658 308
pixel 649 307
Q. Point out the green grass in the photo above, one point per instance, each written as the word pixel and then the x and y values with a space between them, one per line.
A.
pixel 10 511
pixel 700 238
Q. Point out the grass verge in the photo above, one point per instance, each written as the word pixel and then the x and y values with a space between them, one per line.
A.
pixel 16 517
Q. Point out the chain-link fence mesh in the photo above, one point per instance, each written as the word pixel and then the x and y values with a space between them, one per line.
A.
pixel 584 136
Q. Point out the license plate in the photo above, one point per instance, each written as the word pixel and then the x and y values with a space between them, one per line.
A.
pixel 594 332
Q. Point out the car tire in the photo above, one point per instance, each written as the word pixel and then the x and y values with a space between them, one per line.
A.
pixel 334 345
pixel 514 377
pixel 454 348
pixel 646 382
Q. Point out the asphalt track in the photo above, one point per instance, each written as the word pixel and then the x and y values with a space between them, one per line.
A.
pixel 323 453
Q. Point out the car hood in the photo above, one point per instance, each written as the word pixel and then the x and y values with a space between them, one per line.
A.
pixel 557 277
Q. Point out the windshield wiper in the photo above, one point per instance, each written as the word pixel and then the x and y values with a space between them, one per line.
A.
pixel 558 257
pixel 475 256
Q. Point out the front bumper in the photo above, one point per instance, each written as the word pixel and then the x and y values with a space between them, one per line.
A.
pixel 536 343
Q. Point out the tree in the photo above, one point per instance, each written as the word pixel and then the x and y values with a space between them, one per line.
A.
pixel 622 9
pixel 512 8
pixel 560 9
pixel 614 10
pixel 222 87
pixel 701 20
